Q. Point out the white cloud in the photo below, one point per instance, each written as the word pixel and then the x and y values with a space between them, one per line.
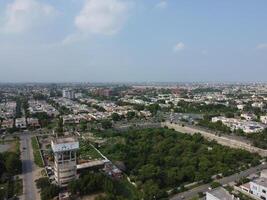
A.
pixel 162 4
pixel 179 47
pixel 22 15
pixel 262 46
pixel 102 16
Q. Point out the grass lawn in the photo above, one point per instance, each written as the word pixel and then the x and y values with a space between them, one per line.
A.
pixel 87 152
pixel 36 153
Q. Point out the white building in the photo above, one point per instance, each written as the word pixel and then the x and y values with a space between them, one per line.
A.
pixel 20 123
pixel 69 94
pixel 65 162
pixel 258 187
pixel 219 194
pixel 263 119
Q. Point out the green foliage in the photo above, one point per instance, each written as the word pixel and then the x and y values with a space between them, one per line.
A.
pixel 106 124
pixel 10 165
pixel 138 107
pixel 42 182
pixel 36 153
pixel 90 183
pixel 43 118
pixel 60 126
pixel 259 139
pixel 215 185
pixel 217 126
pixel 192 107
pixel 169 159
pixel 48 190
pixel 130 115
pixel 115 117
pixel 153 108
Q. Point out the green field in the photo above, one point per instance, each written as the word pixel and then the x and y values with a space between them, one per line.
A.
pixel 87 152
pixel 36 153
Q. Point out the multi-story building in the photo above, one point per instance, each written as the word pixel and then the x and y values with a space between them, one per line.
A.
pixel 69 94
pixel 65 161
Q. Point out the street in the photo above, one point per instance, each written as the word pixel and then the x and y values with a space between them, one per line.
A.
pixel 28 168
pixel 204 188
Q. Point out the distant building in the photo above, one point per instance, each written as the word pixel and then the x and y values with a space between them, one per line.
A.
pixel 33 122
pixel 219 194
pixel 65 161
pixel 106 92
pixel 20 123
pixel 7 124
pixel 69 94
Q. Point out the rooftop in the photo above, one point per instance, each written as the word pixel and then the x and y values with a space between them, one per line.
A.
pixel 64 140
pixel 261 181
pixel 221 194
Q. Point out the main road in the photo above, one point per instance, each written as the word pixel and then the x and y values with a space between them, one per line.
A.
pixel 204 188
pixel 28 168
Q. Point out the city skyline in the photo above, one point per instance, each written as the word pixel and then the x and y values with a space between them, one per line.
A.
pixel 132 41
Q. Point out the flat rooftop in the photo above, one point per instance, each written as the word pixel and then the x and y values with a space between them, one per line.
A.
pixel 261 181
pixel 64 140
pixel 221 194
pixel 64 144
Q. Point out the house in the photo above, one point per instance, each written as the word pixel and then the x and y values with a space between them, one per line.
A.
pixel 263 119
pixel 219 194
pixel 248 116
pixel 258 187
pixel 20 123
pixel 33 122
pixel 7 123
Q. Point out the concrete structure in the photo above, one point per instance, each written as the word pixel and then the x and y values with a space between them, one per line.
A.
pixel 219 194
pixel 258 188
pixel 20 123
pixel 69 94
pixel 65 163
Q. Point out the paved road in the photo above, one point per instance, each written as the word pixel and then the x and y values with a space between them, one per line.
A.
pixel 204 188
pixel 28 167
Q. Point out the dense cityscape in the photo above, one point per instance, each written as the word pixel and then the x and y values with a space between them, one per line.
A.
pixel 133 141
pixel 133 100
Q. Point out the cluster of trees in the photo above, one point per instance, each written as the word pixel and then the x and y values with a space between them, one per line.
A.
pixel 36 152
pixel 48 190
pixel 91 183
pixel 62 109
pixel 259 139
pixel 160 159
pixel 10 165
pixel 43 118
pixel 192 107
pixel 217 126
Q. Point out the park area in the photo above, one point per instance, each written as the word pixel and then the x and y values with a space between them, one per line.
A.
pixel 161 159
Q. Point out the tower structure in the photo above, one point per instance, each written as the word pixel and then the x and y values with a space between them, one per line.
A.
pixel 65 161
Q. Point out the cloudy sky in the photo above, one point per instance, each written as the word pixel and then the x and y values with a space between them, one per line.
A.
pixel 133 40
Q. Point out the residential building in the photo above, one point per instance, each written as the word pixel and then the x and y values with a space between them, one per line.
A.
pixel 219 194
pixel 69 94
pixel 20 123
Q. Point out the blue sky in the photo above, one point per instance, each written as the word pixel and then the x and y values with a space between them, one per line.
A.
pixel 133 40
